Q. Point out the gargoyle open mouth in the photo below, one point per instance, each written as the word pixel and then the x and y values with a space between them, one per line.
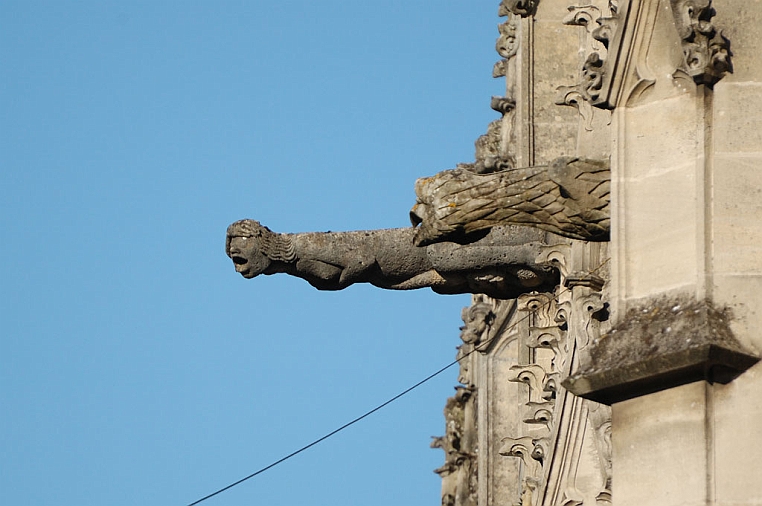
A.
pixel 415 218
pixel 239 260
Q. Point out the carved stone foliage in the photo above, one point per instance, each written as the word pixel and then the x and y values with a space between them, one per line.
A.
pixel 488 155
pixel 570 197
pixel 630 52
pixel 521 8
pixel 585 93
pixel 507 44
pixel 706 52
pixel 459 472
pixel 478 319
pixel 599 29
pixel 560 443
pixel 564 443
pixel 460 442
pixel 524 448
pixel 499 264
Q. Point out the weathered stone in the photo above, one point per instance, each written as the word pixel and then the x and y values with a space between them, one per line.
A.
pixel 521 8
pixel 660 345
pixel 459 472
pixel 570 197
pixel 500 263
pixel 487 152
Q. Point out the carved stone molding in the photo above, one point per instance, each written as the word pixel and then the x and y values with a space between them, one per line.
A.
pixel 558 445
pixel 532 375
pixel 599 29
pixel 544 328
pixel 524 449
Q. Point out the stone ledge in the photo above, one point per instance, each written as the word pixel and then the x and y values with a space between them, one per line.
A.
pixel 659 345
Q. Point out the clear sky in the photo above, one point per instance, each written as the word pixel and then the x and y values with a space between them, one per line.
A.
pixel 136 367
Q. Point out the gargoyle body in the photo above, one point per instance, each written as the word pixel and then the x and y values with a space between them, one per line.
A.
pixel 499 263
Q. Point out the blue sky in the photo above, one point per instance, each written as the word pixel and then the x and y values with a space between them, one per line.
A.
pixel 136 367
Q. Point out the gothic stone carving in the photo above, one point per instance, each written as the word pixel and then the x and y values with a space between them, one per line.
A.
pixel 460 470
pixel 585 93
pixel 521 8
pixel 507 46
pixel 564 442
pixel 500 263
pixel 638 42
pixel 477 318
pixel 570 197
pixel 706 51
pixel 459 485
pixel 488 156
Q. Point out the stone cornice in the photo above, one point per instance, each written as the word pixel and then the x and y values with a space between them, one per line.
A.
pixel 659 345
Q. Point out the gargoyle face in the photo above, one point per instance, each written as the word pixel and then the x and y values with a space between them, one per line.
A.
pixel 247 256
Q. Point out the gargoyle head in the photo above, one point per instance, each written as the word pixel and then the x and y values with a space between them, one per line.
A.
pixel 254 247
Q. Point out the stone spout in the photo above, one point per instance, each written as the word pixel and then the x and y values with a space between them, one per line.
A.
pixel 499 262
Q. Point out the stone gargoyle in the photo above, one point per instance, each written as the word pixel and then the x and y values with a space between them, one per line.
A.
pixel 499 262
pixel 569 197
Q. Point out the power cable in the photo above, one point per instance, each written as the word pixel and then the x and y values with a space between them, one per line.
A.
pixel 380 406
pixel 300 450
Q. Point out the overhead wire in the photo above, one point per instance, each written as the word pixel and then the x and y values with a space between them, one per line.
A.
pixel 380 406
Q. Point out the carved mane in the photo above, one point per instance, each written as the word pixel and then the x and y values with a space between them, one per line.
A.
pixel 277 247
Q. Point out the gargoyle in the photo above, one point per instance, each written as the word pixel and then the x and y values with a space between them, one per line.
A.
pixel 499 263
pixel 569 197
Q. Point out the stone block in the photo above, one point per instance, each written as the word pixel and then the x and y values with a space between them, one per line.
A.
pixel 738 439
pixel 551 11
pixel 564 140
pixel 658 196
pixel 555 127
pixel 660 231
pixel 737 118
pixel 736 207
pixel 659 444
pixel 660 134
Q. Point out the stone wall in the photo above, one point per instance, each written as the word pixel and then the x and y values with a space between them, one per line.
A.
pixel 672 93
